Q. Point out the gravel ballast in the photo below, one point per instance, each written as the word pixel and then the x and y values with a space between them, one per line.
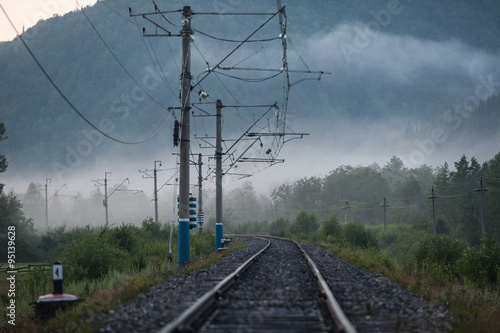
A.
pixel 372 302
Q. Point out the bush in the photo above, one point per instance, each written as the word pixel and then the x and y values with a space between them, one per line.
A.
pixel 151 228
pixel 279 227
pixel 331 227
pixel 481 264
pixel 124 237
pixel 355 234
pixel 305 223
pixel 202 245
pixel 36 282
pixel 92 257
pixel 438 250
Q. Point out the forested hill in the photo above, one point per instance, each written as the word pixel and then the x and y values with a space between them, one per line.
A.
pixel 437 55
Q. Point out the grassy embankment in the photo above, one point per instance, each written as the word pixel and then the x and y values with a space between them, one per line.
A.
pixel 105 267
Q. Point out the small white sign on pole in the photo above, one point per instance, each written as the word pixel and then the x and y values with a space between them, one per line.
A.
pixel 57 271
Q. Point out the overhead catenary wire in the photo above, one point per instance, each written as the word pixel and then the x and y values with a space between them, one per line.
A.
pixel 117 12
pixel 118 61
pixel 66 99
pixel 235 40
pixel 237 47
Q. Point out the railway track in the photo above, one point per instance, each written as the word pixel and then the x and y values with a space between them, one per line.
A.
pixel 279 289
pixel 270 286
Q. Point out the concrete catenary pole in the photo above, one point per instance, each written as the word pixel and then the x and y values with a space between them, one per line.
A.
pixel 105 202
pixel 47 180
pixel 156 191
pixel 218 178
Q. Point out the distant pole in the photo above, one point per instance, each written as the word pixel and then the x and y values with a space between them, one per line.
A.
pixel 218 178
pixel 156 192
pixel 385 205
pixel 47 180
pixel 481 191
pixel 105 202
pixel 185 138
pixel 346 207
pixel 433 197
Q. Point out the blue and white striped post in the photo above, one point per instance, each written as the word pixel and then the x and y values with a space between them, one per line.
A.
pixel 201 218
pixel 183 242
pixel 218 235
pixel 192 212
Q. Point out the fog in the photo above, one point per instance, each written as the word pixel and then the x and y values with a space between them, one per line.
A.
pixel 335 137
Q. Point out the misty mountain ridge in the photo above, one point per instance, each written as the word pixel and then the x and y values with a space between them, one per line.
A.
pixel 408 78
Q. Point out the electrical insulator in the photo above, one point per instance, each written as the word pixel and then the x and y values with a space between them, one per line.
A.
pixel 176 133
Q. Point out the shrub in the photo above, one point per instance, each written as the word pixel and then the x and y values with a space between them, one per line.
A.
pixel 305 223
pixel 92 257
pixel 124 237
pixel 330 227
pixel 202 245
pixel 151 228
pixel 438 250
pixel 355 234
pixel 481 264
pixel 36 282
pixel 279 227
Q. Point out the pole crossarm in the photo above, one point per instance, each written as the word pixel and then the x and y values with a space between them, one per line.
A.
pixel 251 134
pixel 55 193
pixel 116 188
pixel 260 160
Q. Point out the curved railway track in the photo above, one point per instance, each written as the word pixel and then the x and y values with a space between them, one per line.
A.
pixel 283 291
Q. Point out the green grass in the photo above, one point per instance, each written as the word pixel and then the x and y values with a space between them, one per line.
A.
pixel 103 295
pixel 473 309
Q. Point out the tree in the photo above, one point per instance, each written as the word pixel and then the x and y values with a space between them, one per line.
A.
pixel 307 192
pixel 3 159
pixel 492 197
pixel 305 223
pixel 11 214
pixel 410 191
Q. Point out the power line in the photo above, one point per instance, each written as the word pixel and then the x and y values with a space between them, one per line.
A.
pixel 234 40
pixel 237 47
pixel 120 63
pixel 64 96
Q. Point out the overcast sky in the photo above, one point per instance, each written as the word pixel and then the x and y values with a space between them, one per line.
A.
pixel 26 13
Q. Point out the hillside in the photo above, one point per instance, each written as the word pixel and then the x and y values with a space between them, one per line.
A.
pixel 419 61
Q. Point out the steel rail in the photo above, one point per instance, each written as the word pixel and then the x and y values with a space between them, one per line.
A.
pixel 334 308
pixel 197 308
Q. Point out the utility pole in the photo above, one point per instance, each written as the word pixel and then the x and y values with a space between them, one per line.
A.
pixel 433 197
pixel 481 191
pixel 219 230
pixel 47 180
pixel 155 170
pixel 156 192
pixel 200 194
pixel 346 207
pixel 385 205
pixel 47 199
pixel 105 202
pixel 185 138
